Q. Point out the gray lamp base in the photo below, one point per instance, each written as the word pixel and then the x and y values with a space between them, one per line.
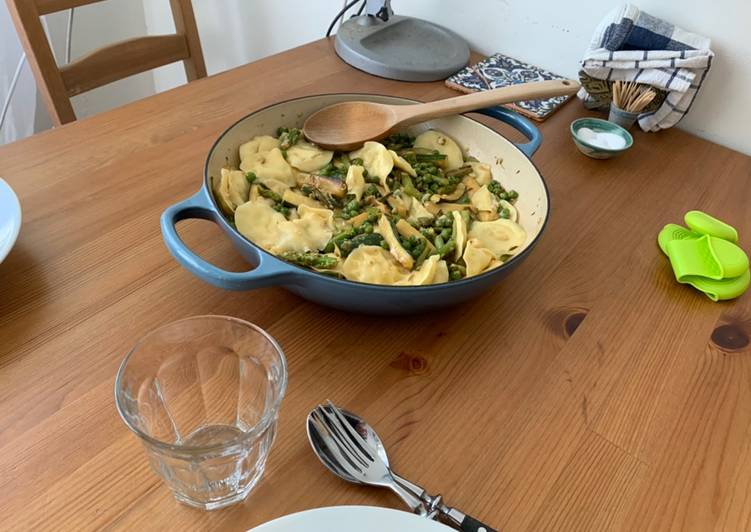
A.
pixel 403 48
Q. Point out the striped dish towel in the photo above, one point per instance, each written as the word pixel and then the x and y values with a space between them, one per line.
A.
pixel 631 45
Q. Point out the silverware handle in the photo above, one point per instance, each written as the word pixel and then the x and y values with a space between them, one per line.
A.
pixel 434 506
pixel 414 488
pixel 470 524
pixel 410 499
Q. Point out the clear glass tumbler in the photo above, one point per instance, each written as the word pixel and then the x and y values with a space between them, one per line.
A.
pixel 203 395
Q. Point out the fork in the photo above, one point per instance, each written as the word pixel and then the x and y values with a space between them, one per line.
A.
pixel 356 467
pixel 362 462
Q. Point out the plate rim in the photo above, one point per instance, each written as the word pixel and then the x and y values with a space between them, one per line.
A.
pixel 16 220
pixel 262 527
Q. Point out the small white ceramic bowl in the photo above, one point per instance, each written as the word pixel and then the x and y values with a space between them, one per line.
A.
pixel 599 126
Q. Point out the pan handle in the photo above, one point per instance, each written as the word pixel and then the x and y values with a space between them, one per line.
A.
pixel 519 123
pixel 265 273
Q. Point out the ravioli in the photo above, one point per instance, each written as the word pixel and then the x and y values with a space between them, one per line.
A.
pixel 501 237
pixel 269 165
pixel 307 157
pixel 355 181
pixel 423 275
pixel 460 234
pixel 372 264
pixel 313 229
pixel 275 186
pixel 484 200
pixel 402 164
pixel 261 224
pixel 481 172
pixel 441 273
pixel 418 212
pixel 476 257
pixel 260 144
pixel 233 190
pixel 325 216
pixel 376 160
pixel 435 140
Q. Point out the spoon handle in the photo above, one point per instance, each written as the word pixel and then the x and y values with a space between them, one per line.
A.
pixel 462 521
pixel 434 506
pixel 470 524
pixel 410 499
pixel 412 114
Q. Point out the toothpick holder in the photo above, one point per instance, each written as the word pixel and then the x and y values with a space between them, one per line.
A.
pixel 621 117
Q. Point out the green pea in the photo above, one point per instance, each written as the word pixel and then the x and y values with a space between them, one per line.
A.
pixel 505 213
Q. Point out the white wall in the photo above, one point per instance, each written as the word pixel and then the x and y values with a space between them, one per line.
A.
pixel 553 34
pixel 236 32
pixel 549 33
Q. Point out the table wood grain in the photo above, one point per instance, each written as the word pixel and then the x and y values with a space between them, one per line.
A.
pixel 588 391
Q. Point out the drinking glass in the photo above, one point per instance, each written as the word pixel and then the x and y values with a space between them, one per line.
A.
pixel 203 395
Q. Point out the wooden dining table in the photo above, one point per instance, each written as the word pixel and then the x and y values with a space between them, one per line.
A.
pixel 587 391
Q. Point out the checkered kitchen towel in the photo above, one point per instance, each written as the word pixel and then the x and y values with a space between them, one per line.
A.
pixel 632 45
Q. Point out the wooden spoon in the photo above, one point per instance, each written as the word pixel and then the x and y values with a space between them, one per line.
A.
pixel 347 125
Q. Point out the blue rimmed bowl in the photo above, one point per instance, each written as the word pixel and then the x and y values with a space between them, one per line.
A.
pixel 599 125
pixel 510 163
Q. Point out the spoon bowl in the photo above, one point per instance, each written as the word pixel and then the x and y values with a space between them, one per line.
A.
pixel 346 126
pixel 409 493
pixel 358 122
pixel 362 428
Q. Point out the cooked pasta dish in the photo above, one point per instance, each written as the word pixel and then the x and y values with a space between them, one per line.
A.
pixel 404 211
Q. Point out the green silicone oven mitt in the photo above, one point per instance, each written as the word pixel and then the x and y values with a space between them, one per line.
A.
pixel 706 257
pixel 674 232
pixel 701 222
pixel 720 290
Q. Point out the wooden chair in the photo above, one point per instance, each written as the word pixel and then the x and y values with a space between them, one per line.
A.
pixel 107 64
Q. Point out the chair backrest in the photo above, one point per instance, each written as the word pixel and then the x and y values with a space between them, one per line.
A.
pixel 107 64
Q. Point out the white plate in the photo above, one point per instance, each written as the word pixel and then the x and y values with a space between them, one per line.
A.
pixel 10 219
pixel 352 519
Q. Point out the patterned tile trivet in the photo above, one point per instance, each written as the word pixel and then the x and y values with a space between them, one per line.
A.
pixel 499 70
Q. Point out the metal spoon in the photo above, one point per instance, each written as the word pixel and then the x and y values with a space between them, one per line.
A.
pixel 347 125
pixel 409 495
pixel 428 506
